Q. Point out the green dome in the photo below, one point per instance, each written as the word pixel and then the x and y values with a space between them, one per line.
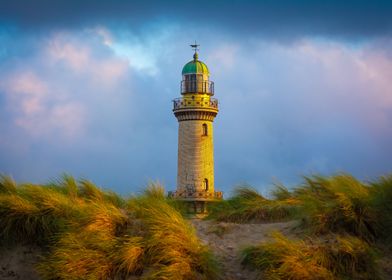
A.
pixel 195 66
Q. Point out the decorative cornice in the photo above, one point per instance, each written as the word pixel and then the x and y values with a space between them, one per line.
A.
pixel 196 114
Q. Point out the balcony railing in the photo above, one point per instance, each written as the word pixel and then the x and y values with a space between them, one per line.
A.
pixel 195 86
pixel 183 103
pixel 196 195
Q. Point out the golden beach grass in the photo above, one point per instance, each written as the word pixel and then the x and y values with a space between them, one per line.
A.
pixel 90 233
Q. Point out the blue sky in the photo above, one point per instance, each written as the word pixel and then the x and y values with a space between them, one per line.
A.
pixel 86 87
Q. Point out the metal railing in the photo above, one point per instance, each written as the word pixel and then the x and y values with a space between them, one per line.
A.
pixel 195 86
pixel 181 103
pixel 197 194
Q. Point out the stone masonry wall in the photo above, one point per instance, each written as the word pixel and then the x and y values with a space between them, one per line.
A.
pixel 195 156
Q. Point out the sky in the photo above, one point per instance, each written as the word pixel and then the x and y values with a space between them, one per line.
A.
pixel 86 88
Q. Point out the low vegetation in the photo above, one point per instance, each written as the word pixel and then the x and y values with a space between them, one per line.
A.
pixel 346 226
pixel 247 205
pixel 332 257
pixel 89 233
pixel 339 204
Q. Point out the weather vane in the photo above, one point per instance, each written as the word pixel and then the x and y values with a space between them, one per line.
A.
pixel 195 47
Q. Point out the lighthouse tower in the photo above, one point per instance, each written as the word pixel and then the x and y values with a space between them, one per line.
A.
pixel 195 112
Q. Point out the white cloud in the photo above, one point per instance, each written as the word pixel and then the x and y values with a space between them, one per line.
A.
pixel 27 91
pixel 52 93
pixel 79 56
pixel 142 52
pixel 60 49
pixel 38 110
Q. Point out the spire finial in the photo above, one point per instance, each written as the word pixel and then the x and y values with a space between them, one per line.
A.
pixel 195 48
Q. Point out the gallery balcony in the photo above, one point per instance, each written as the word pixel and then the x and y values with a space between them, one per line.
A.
pixel 194 103
pixel 197 195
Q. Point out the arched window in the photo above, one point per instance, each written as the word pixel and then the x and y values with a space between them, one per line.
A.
pixel 205 129
pixel 205 184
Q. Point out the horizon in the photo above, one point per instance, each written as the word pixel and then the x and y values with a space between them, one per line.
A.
pixel 86 89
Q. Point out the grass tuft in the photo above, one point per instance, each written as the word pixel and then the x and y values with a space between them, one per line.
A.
pixel 154 190
pixel 247 205
pixel 89 233
pixel 381 203
pixel 339 204
pixel 346 219
pixel 7 185
pixel 335 257
pixel 173 249
pixel 128 259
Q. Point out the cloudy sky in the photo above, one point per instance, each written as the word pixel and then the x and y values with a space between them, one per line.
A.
pixel 305 87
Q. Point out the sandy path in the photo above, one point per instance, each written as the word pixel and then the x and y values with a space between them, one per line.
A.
pixel 227 239
pixel 18 263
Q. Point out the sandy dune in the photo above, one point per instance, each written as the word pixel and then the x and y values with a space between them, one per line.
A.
pixel 18 263
pixel 227 239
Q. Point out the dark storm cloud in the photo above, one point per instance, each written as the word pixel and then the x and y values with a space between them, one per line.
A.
pixel 352 18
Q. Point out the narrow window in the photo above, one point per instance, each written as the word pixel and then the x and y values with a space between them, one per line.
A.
pixel 205 129
pixel 205 182
pixel 191 83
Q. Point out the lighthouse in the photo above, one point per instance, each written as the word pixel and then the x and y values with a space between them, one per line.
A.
pixel 195 111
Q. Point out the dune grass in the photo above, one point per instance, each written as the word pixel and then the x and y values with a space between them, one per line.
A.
pixel 89 233
pixel 339 204
pixel 336 204
pixel 34 214
pixel 173 249
pixel 343 222
pixel 247 205
pixel 333 257
pixel 381 202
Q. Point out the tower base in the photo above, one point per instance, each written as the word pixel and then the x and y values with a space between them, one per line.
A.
pixel 196 202
pixel 196 207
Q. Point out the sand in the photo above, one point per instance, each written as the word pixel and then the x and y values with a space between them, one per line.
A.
pixel 18 263
pixel 227 239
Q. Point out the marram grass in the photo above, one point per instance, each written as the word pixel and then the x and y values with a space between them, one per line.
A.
pixel 336 204
pixel 89 233
pixel 346 221
pixel 172 246
pixel 339 204
pixel 381 203
pixel 333 257
pixel 247 205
